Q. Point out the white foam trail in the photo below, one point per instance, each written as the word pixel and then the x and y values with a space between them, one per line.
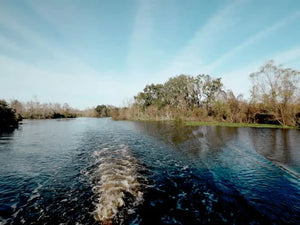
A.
pixel 117 177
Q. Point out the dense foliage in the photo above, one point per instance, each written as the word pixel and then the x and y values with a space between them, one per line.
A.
pixel 181 92
pixel 274 99
pixel 103 110
pixel 8 117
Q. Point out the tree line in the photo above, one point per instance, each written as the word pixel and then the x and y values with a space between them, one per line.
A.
pixel 13 112
pixel 275 99
pixel 36 110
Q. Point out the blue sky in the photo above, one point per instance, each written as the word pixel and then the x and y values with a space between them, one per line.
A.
pixel 87 53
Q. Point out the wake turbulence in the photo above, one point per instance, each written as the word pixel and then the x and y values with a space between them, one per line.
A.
pixel 118 184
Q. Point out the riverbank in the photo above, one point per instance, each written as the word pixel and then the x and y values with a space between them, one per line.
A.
pixel 215 123
pixel 254 125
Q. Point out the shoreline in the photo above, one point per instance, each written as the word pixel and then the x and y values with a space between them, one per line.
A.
pixel 191 123
pixel 228 124
pixel 220 124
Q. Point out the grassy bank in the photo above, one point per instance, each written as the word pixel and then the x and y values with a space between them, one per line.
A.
pixel 215 123
pixel 256 125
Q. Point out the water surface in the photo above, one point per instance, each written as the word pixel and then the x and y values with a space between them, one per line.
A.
pixel 91 171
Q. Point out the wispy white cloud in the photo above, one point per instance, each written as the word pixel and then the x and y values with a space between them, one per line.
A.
pixel 41 43
pixel 10 45
pixel 190 58
pixel 139 44
pixel 23 81
pixel 15 24
pixel 288 57
pixel 65 17
pixel 256 37
pixel 64 78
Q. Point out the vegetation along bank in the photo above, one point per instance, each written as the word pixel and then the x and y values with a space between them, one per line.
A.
pixel 274 100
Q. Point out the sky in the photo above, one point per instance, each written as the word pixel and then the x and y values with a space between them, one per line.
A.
pixel 88 53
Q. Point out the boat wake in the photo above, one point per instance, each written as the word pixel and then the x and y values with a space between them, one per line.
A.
pixel 118 184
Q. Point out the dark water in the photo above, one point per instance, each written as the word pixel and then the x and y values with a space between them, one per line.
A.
pixel 91 171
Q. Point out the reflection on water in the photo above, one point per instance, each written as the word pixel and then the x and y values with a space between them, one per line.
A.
pixel 233 171
pixel 279 146
pixel 98 171
pixel 192 140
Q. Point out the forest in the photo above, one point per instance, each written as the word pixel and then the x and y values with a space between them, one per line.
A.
pixel 274 99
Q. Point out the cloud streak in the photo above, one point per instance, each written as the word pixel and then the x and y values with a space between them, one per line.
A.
pixel 258 36
pixel 51 49
pixel 140 40
pixel 190 58
pixel 65 78
pixel 27 81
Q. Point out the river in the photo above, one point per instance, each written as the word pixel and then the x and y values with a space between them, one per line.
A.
pixel 99 171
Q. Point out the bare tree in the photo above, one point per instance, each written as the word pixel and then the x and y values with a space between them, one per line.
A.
pixel 277 89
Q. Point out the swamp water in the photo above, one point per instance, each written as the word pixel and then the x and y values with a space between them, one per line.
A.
pixel 93 171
